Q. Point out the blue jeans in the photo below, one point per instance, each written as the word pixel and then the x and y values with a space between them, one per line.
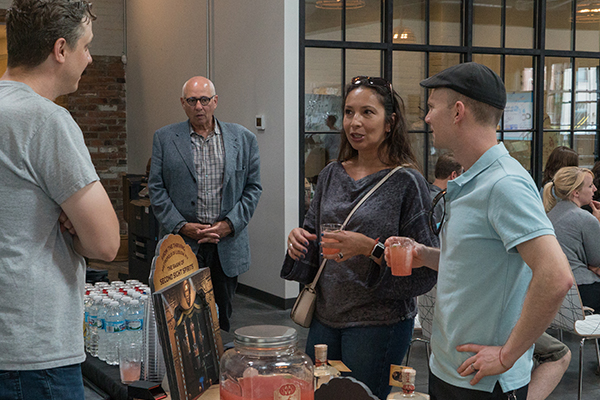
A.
pixel 368 351
pixel 62 383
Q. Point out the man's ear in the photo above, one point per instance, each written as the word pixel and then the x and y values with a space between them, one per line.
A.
pixel 459 111
pixel 59 50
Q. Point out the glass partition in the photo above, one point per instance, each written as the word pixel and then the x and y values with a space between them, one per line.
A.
pixel 364 24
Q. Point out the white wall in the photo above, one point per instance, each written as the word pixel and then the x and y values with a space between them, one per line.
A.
pixel 251 59
pixel 255 68
pixel 166 45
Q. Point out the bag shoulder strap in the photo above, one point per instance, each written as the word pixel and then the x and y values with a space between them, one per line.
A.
pixel 364 198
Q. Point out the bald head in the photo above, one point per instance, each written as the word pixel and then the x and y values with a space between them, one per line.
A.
pixel 198 82
pixel 199 90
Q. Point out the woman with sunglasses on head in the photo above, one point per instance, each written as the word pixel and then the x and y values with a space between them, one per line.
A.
pixel 577 230
pixel 363 313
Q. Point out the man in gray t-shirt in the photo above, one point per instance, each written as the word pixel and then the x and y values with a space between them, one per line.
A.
pixel 54 209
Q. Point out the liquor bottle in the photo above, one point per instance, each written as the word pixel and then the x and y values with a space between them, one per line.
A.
pixel 323 371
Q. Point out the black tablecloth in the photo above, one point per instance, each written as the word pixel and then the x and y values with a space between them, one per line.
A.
pixel 105 376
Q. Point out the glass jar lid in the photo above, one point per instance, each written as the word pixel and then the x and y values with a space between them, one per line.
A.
pixel 266 336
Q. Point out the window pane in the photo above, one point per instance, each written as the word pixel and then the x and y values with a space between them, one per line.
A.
pixel 409 21
pixel 519 25
pixel 408 71
pixel 487 30
pixel 518 79
pixel 322 24
pixel 584 144
pixel 362 62
pixel 445 22
pixel 417 142
pixel 588 26
pixel 364 24
pixel 520 149
pixel 558 25
pixel 551 141
pixel 586 95
pixel 323 87
pixel 319 150
pixel 440 61
pixel 3 53
pixel 557 92
pixel 492 61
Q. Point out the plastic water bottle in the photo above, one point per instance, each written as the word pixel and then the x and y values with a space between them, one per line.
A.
pixel 87 304
pixel 115 325
pixel 102 328
pixel 93 326
pixel 135 323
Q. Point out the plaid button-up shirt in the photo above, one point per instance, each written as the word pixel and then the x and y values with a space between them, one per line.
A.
pixel 209 159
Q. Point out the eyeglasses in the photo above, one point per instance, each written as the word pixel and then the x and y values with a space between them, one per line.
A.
pixel 436 226
pixel 373 81
pixel 203 100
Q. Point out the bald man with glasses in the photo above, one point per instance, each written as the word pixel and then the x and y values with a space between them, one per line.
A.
pixel 204 185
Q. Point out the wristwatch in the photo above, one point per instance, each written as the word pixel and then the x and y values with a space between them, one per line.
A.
pixel 377 251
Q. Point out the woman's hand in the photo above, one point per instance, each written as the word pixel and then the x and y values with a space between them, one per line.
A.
pixel 347 243
pixel 595 270
pixel 595 205
pixel 298 242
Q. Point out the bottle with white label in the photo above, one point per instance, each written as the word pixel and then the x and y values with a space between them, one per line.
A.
pixel 323 371
pixel 115 325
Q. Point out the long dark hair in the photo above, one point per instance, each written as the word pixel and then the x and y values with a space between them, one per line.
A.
pixel 560 157
pixel 395 148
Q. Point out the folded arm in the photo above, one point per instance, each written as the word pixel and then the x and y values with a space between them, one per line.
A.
pixel 92 221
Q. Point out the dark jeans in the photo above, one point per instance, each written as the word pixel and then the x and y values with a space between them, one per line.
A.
pixel 223 285
pixel 368 351
pixel 440 390
pixel 590 296
pixel 63 383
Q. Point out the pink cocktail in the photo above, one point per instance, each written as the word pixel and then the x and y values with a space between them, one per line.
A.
pixel 330 228
pixel 400 260
pixel 328 250
pixel 267 388
pixel 130 371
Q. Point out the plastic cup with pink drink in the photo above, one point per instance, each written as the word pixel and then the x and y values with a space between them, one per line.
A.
pixel 400 255
pixel 330 228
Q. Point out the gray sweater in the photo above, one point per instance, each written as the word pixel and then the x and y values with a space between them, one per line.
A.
pixel 578 233
pixel 358 292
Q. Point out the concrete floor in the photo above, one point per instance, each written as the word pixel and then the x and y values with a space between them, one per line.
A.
pixel 248 311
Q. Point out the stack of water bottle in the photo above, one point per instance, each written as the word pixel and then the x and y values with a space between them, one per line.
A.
pixel 114 316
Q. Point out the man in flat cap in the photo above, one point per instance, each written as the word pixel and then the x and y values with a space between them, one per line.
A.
pixel 502 274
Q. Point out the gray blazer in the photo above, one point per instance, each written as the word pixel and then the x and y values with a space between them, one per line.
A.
pixel 173 187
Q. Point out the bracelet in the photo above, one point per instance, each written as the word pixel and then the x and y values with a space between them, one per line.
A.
pixel 500 358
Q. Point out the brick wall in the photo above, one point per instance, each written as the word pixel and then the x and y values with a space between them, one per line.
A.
pixel 99 107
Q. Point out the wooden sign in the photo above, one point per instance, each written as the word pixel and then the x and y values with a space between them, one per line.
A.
pixel 175 262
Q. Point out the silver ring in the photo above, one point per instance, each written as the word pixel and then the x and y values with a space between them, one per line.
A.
pixel 291 246
pixel 340 255
pixel 473 366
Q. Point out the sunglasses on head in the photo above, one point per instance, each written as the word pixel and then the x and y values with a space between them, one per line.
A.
pixel 373 82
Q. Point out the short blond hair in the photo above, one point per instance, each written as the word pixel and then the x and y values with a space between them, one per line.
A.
pixel 565 182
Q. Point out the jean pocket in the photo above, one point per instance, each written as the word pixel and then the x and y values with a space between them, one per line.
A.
pixel 10 385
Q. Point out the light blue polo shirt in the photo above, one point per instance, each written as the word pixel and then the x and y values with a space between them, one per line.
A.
pixel 482 280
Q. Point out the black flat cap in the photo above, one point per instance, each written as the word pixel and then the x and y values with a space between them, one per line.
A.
pixel 472 80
